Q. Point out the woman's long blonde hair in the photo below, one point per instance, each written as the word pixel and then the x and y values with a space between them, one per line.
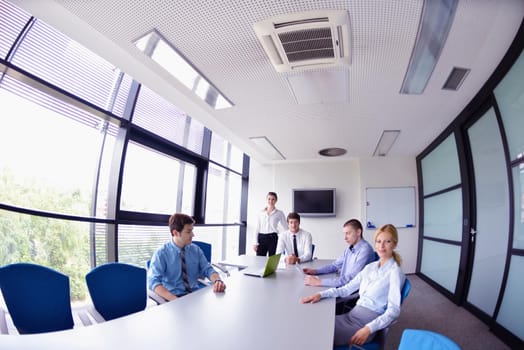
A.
pixel 392 230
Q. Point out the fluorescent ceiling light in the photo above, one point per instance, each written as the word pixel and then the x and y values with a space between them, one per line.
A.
pixel 163 53
pixel 267 147
pixel 437 17
pixel 387 139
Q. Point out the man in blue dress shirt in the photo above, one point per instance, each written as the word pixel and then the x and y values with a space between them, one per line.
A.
pixel 358 254
pixel 176 266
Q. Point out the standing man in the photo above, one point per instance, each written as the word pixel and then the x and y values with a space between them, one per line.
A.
pixel 269 220
pixel 295 242
pixel 177 265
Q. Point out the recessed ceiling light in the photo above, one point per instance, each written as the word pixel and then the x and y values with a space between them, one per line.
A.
pixel 267 147
pixel 332 152
pixel 386 141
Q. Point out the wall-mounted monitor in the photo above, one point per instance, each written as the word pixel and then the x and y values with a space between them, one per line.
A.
pixel 314 202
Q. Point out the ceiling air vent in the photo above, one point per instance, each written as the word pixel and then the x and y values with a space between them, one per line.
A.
pixel 455 78
pixel 306 40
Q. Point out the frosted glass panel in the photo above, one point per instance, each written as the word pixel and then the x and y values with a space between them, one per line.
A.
pixel 491 191
pixel 440 168
pixel 518 194
pixel 510 98
pixel 512 307
pixel 440 262
pixel 443 216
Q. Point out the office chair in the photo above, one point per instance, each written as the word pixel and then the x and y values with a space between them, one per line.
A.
pixel 312 251
pixel 379 341
pixel 46 311
pixel 117 290
pixel 206 248
pixel 425 340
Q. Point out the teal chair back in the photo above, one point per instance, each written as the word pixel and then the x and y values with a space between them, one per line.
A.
pixel 37 298
pixel 425 340
pixel 206 248
pixel 117 289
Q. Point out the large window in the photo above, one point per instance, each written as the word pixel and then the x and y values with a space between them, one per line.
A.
pixel 49 160
pixel 156 183
pixel 92 163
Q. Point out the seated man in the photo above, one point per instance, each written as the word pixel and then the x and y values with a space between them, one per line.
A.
pixel 295 242
pixel 177 265
pixel 358 254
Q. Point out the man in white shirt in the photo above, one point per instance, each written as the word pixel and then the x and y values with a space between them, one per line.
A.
pixel 295 242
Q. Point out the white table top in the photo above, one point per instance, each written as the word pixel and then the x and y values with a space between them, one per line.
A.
pixel 254 313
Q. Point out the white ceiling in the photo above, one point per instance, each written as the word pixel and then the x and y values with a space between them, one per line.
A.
pixel 217 36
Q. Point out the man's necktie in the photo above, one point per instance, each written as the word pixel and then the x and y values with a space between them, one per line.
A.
pixel 184 270
pixel 295 245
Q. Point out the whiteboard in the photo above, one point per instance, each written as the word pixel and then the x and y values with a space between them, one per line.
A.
pixel 390 205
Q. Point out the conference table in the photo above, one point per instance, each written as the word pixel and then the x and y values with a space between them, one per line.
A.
pixel 253 314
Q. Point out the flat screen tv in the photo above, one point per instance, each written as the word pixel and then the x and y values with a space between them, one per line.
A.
pixel 314 202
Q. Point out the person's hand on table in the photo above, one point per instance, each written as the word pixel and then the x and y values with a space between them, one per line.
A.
pixel 311 299
pixel 219 286
pixel 312 281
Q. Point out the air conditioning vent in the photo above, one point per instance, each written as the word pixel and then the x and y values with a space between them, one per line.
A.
pixel 306 40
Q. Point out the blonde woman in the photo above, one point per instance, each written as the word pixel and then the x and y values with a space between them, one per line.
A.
pixel 379 285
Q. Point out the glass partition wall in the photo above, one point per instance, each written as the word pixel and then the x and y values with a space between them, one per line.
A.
pixel 471 185
pixel 92 163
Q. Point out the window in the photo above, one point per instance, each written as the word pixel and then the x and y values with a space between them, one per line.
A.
pixel 223 196
pixel 60 157
pixel 225 153
pixel 50 55
pixel 151 182
pixel 161 117
pixel 49 156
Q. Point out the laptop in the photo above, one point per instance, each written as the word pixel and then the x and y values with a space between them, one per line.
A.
pixel 271 266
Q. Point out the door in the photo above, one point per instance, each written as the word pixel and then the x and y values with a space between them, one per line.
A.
pixel 490 230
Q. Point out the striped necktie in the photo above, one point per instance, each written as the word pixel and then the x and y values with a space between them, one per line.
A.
pixel 184 270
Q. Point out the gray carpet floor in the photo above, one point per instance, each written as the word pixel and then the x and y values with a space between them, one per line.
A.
pixel 425 308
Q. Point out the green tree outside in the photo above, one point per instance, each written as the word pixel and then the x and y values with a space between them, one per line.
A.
pixel 59 244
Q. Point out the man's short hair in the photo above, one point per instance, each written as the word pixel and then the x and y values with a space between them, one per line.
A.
pixel 177 222
pixel 293 215
pixel 355 224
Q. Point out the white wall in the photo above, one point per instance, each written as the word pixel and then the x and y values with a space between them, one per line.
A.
pixel 393 172
pixel 350 178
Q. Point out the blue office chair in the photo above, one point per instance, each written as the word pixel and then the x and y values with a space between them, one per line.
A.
pixel 117 290
pixel 425 340
pixel 379 341
pixel 206 248
pixel 37 298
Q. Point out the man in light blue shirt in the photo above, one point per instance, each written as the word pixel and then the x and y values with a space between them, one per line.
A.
pixel 176 266
pixel 358 254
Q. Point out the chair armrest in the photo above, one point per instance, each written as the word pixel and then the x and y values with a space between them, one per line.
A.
pixel 3 322
pixel 95 314
pixel 223 270
pixel 82 315
pixel 155 297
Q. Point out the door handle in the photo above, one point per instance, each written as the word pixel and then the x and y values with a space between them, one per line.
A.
pixel 472 233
